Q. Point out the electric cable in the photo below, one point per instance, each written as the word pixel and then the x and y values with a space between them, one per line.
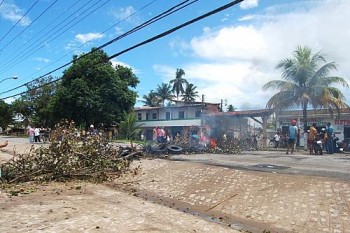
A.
pixel 19 50
pixel 68 53
pixel 224 7
pixel 144 42
pixel 154 19
pixel 34 50
pixel 17 21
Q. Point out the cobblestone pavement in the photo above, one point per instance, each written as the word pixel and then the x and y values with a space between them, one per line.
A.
pixel 247 200
pixel 59 207
pixel 239 199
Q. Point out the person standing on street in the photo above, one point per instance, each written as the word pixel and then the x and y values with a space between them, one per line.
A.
pixel 37 134
pixel 277 138
pixel 311 138
pixel 292 135
pixel 31 134
pixel 329 142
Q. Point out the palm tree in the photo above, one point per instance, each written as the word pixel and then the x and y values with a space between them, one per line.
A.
pixel 178 82
pixel 164 92
pixel 231 108
pixel 130 127
pixel 190 93
pixel 151 99
pixel 306 83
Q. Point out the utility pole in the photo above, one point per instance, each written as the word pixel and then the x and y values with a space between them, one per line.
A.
pixel 202 113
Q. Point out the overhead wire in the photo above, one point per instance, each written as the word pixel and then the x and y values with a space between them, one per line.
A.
pixel 19 49
pixel 224 7
pixel 83 44
pixel 152 20
pixel 17 21
pixel 44 42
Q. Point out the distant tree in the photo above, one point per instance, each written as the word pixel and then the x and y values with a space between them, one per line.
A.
pixel 231 108
pixel 178 83
pixel 35 105
pixel 93 91
pixel 23 108
pixel 151 99
pixel 306 82
pixel 164 92
pixel 190 94
pixel 5 115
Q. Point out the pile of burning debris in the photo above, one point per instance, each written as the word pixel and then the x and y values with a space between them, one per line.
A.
pixel 69 157
pixel 188 144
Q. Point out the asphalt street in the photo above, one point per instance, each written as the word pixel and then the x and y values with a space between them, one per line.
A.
pixel 300 163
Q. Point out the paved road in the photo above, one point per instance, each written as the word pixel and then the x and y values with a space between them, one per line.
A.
pixel 333 166
pixel 301 163
pixel 239 198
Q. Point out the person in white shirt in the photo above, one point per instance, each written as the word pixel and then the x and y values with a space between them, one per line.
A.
pixel 36 134
pixel 277 138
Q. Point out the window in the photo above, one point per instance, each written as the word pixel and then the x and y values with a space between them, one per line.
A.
pixel 167 115
pixel 198 113
pixel 139 116
pixel 181 115
pixel 147 116
pixel 154 116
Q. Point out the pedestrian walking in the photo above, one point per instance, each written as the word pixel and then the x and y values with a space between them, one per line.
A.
pixel 292 135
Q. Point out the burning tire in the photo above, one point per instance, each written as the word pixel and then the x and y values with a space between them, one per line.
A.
pixel 174 149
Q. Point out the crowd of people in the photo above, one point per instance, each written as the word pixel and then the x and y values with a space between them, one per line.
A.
pixel 160 135
pixel 37 134
pixel 326 135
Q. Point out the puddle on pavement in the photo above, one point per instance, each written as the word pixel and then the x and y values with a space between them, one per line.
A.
pixel 270 166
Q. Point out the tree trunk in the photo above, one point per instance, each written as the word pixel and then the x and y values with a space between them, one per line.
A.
pixel 305 118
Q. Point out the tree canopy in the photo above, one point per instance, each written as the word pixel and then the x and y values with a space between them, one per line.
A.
pixel 164 92
pixel 306 82
pixel 5 114
pixel 190 93
pixel 178 82
pixel 92 91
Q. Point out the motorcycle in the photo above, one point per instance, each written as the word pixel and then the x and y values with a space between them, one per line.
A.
pixel 318 146
pixel 318 143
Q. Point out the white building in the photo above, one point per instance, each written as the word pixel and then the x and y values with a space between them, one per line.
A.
pixel 175 118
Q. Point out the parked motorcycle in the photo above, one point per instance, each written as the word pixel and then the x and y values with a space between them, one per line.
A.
pixel 318 146
pixel 341 146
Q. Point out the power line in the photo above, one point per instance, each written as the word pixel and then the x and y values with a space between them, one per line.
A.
pixel 17 21
pixel 142 8
pixel 35 49
pixel 19 51
pixel 152 20
pixel 144 42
